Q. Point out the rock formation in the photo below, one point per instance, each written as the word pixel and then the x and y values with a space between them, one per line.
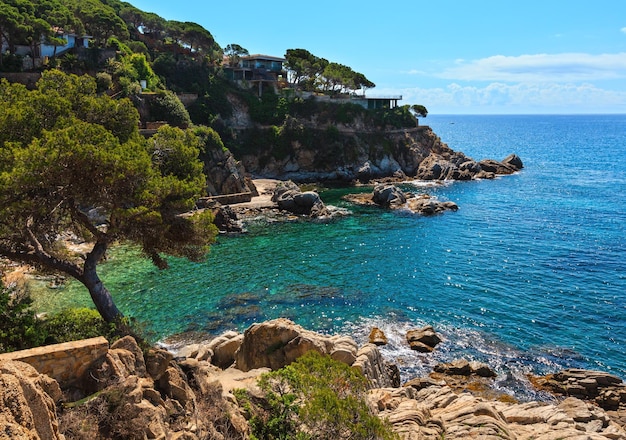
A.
pixel 225 175
pixel 424 339
pixel 27 403
pixel 290 198
pixel 377 337
pixel 463 367
pixel 152 394
pixel 316 151
pixel 388 195
pixel 436 411
pixel 605 390
pixel 224 216
pixel 456 166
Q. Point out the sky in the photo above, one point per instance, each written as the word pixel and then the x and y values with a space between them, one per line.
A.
pixel 451 56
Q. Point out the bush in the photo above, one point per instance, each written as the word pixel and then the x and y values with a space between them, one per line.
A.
pixel 167 107
pixel 315 397
pixel 74 324
pixel 19 328
pixel 104 81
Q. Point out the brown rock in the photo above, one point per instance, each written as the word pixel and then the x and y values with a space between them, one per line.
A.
pixel 279 342
pixel 224 348
pixel 157 361
pixel 462 367
pixel 377 337
pixel 27 410
pixel 423 340
pixel 371 364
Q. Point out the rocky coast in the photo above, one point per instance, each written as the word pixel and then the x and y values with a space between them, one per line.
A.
pixel 188 392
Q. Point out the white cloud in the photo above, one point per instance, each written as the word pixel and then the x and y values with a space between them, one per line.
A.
pixel 623 30
pixel 539 68
pixel 498 97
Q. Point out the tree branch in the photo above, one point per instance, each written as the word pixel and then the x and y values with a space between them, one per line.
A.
pixel 83 219
pixel 40 256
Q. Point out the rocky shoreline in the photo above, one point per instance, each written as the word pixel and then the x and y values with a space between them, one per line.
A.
pixel 188 392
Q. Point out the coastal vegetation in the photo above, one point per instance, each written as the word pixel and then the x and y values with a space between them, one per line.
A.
pixel 75 170
pixel 314 397
pixel 74 167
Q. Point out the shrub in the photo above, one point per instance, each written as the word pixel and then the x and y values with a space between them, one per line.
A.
pixel 315 397
pixel 19 328
pixel 78 323
pixel 104 81
pixel 167 107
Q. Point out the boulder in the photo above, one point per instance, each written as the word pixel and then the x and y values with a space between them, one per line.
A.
pixel 27 403
pixel 224 348
pixel 423 340
pixel 224 216
pixel 428 205
pixel 513 160
pixel 386 195
pixel 173 384
pixel 462 367
pixel 124 359
pixel 377 337
pixel 451 166
pixel 289 197
pixel 279 342
pixel 157 360
pixel 606 390
pixel 495 167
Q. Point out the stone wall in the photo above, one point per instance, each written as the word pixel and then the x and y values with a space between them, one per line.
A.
pixel 65 362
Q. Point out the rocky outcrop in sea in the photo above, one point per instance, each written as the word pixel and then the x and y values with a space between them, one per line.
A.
pixel 387 195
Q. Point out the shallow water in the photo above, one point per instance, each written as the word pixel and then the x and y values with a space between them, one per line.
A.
pixel 528 275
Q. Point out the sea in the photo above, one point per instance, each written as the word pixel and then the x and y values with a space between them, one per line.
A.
pixel 528 276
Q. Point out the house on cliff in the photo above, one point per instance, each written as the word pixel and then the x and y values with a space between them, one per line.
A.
pixel 43 50
pixel 258 70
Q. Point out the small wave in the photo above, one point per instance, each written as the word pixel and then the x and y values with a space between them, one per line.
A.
pixel 511 365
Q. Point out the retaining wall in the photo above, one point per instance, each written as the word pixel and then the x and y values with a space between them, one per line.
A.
pixel 66 363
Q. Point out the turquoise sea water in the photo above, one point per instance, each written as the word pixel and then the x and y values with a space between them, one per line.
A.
pixel 528 275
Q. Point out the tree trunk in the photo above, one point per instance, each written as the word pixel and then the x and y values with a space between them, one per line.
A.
pixel 100 296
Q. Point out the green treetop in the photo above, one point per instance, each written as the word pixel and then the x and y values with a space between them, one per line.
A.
pixel 71 172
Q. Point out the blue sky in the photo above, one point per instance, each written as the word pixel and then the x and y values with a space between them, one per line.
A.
pixel 452 56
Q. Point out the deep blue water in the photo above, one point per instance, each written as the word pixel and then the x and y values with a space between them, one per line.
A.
pixel 528 275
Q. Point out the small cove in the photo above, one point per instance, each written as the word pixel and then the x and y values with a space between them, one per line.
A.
pixel 528 275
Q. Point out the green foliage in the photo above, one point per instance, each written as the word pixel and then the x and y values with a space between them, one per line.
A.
pixel 104 81
pixel 315 397
pixel 19 328
pixel 268 109
pixel 66 150
pixel 74 324
pixel 167 107
pixel 213 102
pixel 210 139
pixel 419 110
pixel 397 117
